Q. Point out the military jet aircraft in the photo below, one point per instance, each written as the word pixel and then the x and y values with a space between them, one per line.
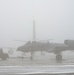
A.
pixel 56 48
pixel 33 46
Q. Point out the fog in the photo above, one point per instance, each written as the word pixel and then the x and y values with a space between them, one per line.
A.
pixel 54 19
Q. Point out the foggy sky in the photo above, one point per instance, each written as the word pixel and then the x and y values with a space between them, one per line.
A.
pixel 54 19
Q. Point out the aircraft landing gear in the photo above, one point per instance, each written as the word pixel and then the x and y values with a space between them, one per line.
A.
pixel 31 57
pixel 42 53
pixel 59 58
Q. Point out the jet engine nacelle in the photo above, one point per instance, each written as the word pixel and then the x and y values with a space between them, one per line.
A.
pixel 69 42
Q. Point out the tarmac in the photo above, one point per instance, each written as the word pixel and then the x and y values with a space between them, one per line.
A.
pixel 40 60
pixel 41 64
pixel 26 70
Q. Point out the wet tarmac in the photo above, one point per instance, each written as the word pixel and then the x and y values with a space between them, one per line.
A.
pixel 40 60
pixel 37 70
pixel 48 60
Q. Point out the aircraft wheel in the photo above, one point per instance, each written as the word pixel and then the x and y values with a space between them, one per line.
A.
pixel 59 58
pixel 31 58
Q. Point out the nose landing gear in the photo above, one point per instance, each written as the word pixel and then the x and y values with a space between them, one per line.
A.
pixel 59 58
pixel 32 54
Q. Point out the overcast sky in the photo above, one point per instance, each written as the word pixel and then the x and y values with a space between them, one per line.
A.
pixel 54 19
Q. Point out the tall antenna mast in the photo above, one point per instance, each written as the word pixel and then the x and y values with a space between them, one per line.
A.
pixel 34 31
pixel 34 27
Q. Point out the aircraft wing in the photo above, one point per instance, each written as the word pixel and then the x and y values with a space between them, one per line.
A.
pixel 37 46
pixel 57 47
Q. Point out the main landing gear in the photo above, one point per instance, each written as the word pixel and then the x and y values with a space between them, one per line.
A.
pixel 31 57
pixel 59 57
